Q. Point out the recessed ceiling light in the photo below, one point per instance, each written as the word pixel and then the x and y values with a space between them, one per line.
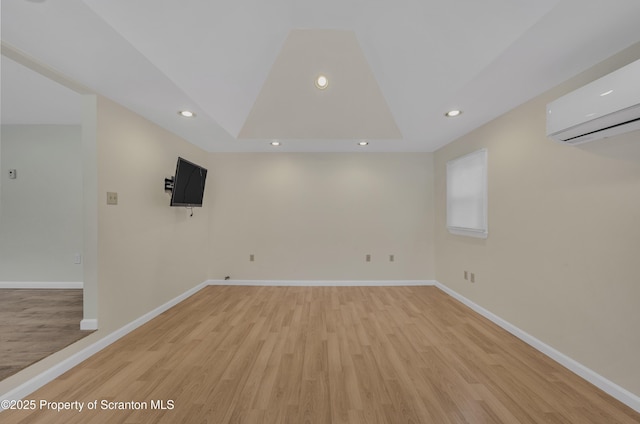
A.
pixel 363 143
pixel 322 82
pixel 275 143
pixel 452 113
pixel 186 113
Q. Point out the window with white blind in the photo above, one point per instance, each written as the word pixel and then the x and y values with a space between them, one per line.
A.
pixel 467 195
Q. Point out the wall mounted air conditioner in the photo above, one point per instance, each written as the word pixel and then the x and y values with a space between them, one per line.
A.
pixel 606 107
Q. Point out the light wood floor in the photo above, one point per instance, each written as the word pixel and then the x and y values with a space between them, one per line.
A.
pixel 36 323
pixel 325 355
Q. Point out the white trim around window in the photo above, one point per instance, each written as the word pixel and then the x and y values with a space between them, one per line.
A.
pixel 467 195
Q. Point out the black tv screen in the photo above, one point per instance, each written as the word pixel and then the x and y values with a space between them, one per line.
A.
pixel 188 184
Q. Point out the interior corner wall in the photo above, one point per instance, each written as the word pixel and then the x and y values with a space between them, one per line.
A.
pixel 148 252
pixel 90 206
pixel 315 216
pixel 41 209
pixel 561 259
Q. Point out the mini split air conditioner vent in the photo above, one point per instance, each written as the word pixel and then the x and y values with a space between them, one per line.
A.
pixel 594 135
pixel 603 108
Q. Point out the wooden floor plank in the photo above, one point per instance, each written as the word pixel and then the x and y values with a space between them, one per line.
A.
pixel 34 323
pixel 324 355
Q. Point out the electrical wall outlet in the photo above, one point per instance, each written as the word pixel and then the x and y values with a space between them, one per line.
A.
pixel 392 258
pixel 252 257
pixel 112 198
pixel 13 174
pixel 77 259
pixel 367 258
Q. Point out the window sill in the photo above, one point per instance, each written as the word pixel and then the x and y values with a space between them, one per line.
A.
pixel 483 234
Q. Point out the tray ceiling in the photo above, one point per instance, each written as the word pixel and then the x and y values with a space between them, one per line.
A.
pixel 395 67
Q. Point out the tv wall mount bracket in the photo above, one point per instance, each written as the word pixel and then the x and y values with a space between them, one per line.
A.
pixel 168 184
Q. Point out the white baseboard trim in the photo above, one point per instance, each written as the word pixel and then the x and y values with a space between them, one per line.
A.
pixel 591 376
pixel 322 283
pixel 41 285
pixel 89 324
pixel 40 380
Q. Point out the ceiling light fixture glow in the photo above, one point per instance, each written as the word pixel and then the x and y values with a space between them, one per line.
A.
pixel 453 113
pixel 275 143
pixel 186 113
pixel 322 82
pixel 363 143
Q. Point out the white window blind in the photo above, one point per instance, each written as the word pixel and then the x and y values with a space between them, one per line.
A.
pixel 467 195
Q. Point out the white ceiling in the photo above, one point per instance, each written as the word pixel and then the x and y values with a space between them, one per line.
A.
pixel 29 98
pixel 350 107
pixel 224 60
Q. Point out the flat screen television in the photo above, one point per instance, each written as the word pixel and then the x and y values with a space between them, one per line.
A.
pixel 188 184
